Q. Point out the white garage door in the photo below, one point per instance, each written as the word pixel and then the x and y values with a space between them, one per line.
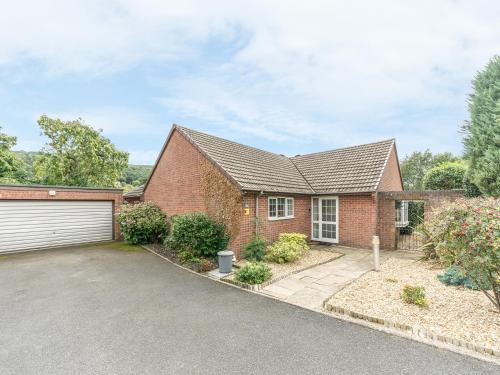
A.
pixel 38 224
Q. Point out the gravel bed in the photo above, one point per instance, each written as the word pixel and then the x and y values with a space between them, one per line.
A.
pixel 310 259
pixel 455 312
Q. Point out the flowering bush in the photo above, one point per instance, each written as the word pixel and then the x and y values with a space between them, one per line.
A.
pixel 466 234
pixel 142 223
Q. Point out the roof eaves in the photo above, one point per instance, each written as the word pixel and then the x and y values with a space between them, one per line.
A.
pixel 180 129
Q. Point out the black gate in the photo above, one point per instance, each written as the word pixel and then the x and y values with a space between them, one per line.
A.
pixel 409 215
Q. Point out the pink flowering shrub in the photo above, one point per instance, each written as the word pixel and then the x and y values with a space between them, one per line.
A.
pixel 142 223
pixel 466 234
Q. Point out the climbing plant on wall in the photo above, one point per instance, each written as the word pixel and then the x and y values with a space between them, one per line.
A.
pixel 223 199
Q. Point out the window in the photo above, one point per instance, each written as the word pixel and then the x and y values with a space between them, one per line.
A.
pixel 280 208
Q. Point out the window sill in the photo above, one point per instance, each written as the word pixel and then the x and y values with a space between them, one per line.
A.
pixel 280 218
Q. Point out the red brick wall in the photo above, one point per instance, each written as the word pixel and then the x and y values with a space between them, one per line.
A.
pixel 386 228
pixel 176 182
pixel 42 193
pixel 176 185
pixel 357 220
pixel 391 178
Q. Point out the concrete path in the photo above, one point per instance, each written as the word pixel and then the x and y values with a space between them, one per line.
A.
pixel 311 287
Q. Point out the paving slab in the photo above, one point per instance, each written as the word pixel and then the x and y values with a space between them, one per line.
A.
pixel 311 287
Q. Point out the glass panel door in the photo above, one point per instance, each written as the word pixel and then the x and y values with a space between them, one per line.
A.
pixel 324 219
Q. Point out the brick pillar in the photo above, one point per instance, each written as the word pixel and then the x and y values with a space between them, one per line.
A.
pixel 386 227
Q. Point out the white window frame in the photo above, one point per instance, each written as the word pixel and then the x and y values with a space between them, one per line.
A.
pixel 287 216
pixel 320 221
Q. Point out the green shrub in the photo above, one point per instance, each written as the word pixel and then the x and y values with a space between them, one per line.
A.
pixel 466 234
pixel 142 223
pixel 282 252
pixel 446 176
pixel 255 249
pixel 455 276
pixel 198 234
pixel 295 238
pixel 414 295
pixel 187 256
pixel 288 248
pixel 470 188
pixel 253 273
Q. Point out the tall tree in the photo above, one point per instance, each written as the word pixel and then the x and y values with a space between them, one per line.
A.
pixel 415 166
pixel 77 155
pixel 482 131
pixel 10 164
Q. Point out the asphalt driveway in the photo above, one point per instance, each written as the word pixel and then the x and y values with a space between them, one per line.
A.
pixel 98 310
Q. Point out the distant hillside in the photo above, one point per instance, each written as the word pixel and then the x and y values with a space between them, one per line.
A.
pixel 133 175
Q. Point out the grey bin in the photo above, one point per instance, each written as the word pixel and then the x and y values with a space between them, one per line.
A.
pixel 225 261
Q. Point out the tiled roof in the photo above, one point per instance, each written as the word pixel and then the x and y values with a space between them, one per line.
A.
pixel 347 170
pixel 137 192
pixel 251 168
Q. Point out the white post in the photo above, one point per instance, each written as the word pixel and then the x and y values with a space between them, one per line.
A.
pixel 376 253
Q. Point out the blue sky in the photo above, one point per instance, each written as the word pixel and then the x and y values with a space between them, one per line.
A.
pixel 288 77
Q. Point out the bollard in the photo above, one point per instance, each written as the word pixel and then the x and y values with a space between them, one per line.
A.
pixel 376 253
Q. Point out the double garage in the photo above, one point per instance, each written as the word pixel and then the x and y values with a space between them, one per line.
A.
pixel 37 217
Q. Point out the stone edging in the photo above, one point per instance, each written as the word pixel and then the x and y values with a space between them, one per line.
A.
pixel 412 331
pixel 348 318
pixel 257 287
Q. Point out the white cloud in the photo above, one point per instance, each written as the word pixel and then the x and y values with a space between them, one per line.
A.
pixel 302 70
pixel 115 120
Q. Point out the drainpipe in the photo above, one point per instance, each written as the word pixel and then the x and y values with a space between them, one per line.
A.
pixel 257 212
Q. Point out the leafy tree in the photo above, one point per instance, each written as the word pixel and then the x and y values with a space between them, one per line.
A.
pixel 77 155
pixel 415 165
pixel 25 173
pixel 482 132
pixel 446 176
pixel 135 175
pixel 10 164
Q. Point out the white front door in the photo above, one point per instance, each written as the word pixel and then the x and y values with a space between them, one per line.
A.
pixel 324 216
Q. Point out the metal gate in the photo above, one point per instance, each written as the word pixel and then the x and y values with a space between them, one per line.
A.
pixel 409 215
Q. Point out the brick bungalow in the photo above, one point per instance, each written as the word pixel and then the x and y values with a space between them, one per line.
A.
pixel 329 196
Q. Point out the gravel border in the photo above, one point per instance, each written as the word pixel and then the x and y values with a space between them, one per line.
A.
pixel 456 316
pixel 282 275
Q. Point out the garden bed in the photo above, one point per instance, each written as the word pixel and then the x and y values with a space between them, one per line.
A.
pixel 208 264
pixel 310 259
pixel 455 315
